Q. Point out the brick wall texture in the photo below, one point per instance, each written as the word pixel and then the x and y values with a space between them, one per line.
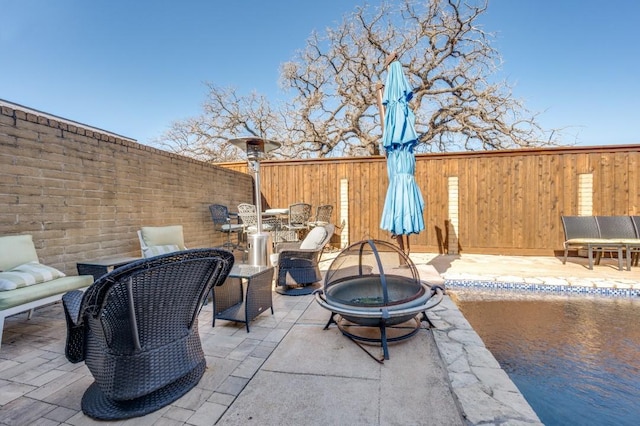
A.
pixel 83 194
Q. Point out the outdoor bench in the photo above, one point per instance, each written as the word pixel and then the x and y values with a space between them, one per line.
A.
pixel 26 284
pixel 603 233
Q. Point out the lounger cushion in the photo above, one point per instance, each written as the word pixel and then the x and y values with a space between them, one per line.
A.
pixel 19 296
pixel 575 241
pixel 28 274
pixel 314 239
pixel 158 250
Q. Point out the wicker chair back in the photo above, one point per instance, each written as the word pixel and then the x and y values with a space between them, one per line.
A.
pixel 136 329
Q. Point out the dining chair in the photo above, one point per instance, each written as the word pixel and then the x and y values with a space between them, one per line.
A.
pixel 249 216
pixel 222 223
pixel 323 215
pixel 299 215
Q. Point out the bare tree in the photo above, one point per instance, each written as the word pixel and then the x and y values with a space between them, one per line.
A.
pixel 458 100
pixel 226 116
pixel 449 61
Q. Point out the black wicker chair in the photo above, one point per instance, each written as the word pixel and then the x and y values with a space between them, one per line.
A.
pixel 136 329
pixel 298 271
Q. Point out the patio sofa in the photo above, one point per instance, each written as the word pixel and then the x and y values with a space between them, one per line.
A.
pixel 25 283
pixel 601 234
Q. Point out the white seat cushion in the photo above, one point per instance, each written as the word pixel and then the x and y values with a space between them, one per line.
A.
pixel 231 227
pixel 253 229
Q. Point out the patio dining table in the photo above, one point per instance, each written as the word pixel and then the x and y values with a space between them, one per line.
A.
pixel 281 216
pixel 276 212
pixel 280 234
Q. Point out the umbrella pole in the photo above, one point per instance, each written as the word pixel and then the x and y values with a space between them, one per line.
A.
pixel 379 88
pixel 403 243
pixel 400 242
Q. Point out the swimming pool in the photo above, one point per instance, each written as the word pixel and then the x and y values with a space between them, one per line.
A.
pixel 575 358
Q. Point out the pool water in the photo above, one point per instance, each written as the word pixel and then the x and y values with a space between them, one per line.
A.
pixel 575 359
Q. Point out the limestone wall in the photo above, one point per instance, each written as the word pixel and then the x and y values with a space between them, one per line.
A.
pixel 83 192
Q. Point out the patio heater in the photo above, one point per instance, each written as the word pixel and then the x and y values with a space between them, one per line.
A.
pixel 259 244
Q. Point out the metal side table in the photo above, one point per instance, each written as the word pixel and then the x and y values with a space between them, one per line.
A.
pixel 233 303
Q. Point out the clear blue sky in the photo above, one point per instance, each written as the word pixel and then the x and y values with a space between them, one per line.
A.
pixel 134 66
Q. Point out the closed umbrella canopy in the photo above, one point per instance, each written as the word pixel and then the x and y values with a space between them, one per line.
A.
pixel 404 205
pixel 399 119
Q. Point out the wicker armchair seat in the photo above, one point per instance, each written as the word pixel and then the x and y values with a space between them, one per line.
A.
pixel 136 329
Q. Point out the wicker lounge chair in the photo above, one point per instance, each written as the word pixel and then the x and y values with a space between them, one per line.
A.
pixel 635 248
pixel 297 262
pixel 601 234
pixel 580 232
pixel 155 240
pixel 619 235
pixel 136 329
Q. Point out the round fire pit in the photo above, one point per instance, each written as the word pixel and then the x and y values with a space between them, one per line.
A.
pixel 374 284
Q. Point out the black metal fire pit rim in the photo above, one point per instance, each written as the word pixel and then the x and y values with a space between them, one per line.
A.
pixel 418 285
pixel 371 313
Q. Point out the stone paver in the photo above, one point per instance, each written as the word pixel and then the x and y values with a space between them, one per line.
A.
pixel 289 370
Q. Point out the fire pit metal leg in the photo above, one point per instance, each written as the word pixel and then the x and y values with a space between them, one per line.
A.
pixel 344 326
pixel 424 317
pixel 383 341
pixel 331 321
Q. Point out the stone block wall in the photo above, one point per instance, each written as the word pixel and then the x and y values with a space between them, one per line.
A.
pixel 83 192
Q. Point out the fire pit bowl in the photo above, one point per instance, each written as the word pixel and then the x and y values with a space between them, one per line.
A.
pixel 361 299
pixel 374 284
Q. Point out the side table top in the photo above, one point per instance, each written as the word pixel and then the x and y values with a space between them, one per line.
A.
pixel 241 270
pixel 110 261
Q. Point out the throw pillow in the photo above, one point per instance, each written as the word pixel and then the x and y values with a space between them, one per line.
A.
pixel 314 239
pixel 16 250
pixel 158 250
pixel 6 284
pixel 28 274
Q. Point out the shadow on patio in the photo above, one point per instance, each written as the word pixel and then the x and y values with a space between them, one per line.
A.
pixel 288 370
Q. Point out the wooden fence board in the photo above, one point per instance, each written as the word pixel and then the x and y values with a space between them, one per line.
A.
pixel 510 202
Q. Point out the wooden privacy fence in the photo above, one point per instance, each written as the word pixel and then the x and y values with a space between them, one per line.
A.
pixel 501 202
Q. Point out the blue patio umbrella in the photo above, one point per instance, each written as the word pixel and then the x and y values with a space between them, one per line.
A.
pixel 403 207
